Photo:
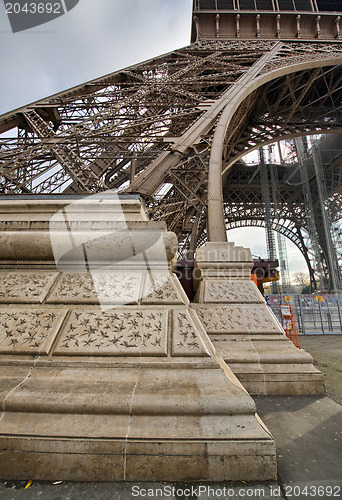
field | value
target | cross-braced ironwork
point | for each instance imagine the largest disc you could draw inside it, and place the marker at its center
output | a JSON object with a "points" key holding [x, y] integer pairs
{"points": [[150, 128]]}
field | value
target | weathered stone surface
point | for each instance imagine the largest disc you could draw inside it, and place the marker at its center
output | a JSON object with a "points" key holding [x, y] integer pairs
{"points": [[147, 421], [142, 415], [28, 331], [185, 339], [231, 292], [106, 372], [244, 330], [222, 319], [162, 289], [25, 286], [115, 333], [238, 319], [97, 287]]}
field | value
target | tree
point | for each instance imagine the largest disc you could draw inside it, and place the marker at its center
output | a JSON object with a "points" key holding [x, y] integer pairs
{"points": [[303, 279]]}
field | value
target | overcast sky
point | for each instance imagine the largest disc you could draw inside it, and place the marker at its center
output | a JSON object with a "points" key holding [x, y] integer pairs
{"points": [[95, 38]]}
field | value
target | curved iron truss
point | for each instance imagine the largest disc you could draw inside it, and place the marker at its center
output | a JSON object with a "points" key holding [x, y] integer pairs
{"points": [[149, 128], [245, 207]]}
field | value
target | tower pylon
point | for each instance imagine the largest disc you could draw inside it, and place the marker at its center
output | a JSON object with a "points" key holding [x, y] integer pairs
{"points": [[172, 128], [147, 373]]}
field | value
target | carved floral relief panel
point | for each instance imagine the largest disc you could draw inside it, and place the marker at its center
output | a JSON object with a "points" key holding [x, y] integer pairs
{"points": [[160, 288], [231, 292], [25, 286], [186, 340], [114, 333], [222, 319], [97, 287], [244, 319], [28, 331]]}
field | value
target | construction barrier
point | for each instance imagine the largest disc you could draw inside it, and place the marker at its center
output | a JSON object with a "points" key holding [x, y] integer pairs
{"points": [[312, 314], [289, 323]]}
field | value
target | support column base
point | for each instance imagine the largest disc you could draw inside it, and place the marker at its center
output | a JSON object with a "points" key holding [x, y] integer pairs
{"points": [[244, 330], [180, 423]]}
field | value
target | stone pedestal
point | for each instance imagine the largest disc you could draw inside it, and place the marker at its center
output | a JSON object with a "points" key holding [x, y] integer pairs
{"points": [[106, 372], [244, 330]]}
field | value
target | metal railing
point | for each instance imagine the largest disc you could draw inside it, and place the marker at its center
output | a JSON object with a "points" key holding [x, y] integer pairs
{"points": [[315, 314]]}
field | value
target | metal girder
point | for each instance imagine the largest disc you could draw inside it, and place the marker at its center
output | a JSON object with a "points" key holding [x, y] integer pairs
{"points": [[83, 176], [150, 129], [151, 111]]}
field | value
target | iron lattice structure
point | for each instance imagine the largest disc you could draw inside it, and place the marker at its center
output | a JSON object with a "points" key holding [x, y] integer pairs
{"points": [[245, 207], [150, 129]]}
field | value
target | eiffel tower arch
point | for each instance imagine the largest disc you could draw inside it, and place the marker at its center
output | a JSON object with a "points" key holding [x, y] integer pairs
{"points": [[290, 215], [172, 128]]}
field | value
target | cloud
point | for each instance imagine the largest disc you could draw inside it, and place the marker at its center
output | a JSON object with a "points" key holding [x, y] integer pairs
{"points": [[93, 39], [255, 239]]}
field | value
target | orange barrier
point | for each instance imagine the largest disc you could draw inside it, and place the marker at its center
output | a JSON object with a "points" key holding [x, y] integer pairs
{"points": [[289, 323]]}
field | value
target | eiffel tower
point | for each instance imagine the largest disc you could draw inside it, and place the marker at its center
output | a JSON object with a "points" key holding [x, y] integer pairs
{"points": [[155, 383], [175, 128]]}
